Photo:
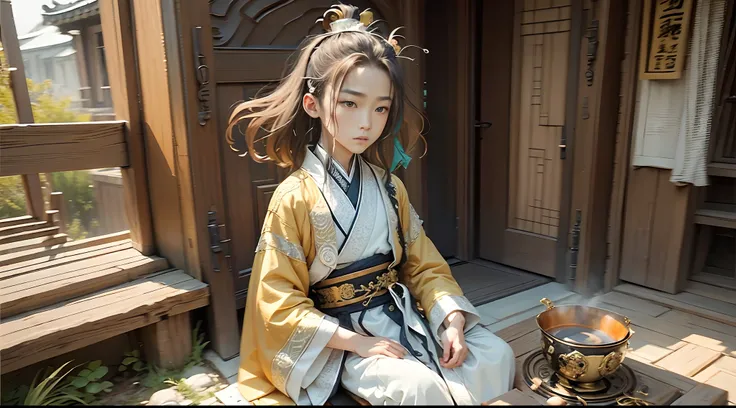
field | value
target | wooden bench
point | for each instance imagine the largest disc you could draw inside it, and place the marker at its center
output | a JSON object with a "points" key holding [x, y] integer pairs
{"points": [[59, 299]]}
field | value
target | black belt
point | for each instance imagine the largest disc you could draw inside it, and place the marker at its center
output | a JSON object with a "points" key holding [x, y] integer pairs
{"points": [[361, 285]]}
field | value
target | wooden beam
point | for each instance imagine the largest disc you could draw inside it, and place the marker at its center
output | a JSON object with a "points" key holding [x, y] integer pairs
{"points": [[45, 148], [598, 93], [715, 218], [117, 30], [22, 99]]}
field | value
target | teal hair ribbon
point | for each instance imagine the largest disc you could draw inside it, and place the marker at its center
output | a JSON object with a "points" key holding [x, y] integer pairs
{"points": [[400, 156]]}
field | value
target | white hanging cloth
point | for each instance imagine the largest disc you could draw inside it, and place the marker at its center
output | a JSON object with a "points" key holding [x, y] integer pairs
{"points": [[673, 117]]}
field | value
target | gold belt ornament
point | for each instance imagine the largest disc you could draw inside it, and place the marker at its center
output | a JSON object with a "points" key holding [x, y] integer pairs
{"points": [[331, 294]]}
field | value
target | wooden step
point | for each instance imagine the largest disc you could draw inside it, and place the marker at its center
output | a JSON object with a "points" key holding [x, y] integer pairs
{"points": [[43, 242], [716, 218], [35, 253], [44, 333], [23, 219], [43, 287], [25, 235], [63, 258], [29, 226]]}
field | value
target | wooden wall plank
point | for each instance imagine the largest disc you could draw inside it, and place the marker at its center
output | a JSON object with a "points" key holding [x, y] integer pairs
{"points": [[158, 133], [640, 203], [657, 235], [627, 94], [46, 148], [117, 29]]}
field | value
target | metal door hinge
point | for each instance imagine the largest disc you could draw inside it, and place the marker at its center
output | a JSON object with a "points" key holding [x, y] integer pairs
{"points": [[217, 245], [202, 72], [575, 245]]}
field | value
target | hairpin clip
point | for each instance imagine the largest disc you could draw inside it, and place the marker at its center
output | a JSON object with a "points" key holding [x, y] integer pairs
{"points": [[395, 43]]}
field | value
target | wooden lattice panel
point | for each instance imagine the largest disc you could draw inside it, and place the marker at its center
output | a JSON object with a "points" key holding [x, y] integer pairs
{"points": [[541, 48]]}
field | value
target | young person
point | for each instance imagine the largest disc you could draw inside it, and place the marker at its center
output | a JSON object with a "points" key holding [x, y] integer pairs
{"points": [[343, 259]]}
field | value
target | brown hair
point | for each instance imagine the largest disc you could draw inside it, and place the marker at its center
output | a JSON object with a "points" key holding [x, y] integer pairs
{"points": [[324, 59]]}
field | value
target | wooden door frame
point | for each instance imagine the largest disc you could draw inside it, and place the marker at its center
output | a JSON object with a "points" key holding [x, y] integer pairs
{"points": [[465, 112], [591, 165], [201, 184]]}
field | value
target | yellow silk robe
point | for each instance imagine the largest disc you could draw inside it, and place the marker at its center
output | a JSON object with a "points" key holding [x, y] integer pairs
{"points": [[298, 245]]}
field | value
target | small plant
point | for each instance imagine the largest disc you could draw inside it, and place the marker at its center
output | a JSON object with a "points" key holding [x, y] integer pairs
{"points": [[86, 384], [132, 361], [198, 345], [50, 391], [156, 377]]}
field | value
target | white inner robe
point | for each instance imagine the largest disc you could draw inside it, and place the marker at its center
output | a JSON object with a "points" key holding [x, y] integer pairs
{"points": [[487, 372]]}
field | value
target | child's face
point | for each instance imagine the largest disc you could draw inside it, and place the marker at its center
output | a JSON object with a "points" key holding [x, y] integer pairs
{"points": [[362, 109]]}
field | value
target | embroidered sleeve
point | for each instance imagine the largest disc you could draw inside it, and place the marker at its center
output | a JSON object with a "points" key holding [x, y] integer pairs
{"points": [[279, 243]]}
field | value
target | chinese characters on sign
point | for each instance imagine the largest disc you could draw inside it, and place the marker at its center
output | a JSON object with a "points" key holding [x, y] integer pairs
{"points": [[665, 29]]}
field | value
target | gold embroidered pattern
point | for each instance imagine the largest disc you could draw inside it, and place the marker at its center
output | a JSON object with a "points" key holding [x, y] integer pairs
{"points": [[415, 225], [288, 185], [347, 293], [324, 234], [281, 244], [287, 357]]}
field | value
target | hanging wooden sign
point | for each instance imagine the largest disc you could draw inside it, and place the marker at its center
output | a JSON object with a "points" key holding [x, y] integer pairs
{"points": [[664, 38]]}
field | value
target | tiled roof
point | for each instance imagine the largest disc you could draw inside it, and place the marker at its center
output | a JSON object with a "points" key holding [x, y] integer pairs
{"points": [[64, 13]]}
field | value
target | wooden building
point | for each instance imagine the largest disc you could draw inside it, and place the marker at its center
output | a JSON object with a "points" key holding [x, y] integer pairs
{"points": [[529, 166], [81, 20]]}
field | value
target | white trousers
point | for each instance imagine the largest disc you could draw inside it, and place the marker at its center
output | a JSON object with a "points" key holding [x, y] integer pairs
{"points": [[487, 372]]}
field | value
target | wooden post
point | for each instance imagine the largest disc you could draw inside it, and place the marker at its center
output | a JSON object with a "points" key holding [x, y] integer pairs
{"points": [[168, 343], [117, 31], [56, 202], [595, 135], [11, 47]]}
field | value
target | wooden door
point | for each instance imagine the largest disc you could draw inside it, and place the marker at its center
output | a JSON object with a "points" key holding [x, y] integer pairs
{"points": [[524, 68], [252, 41]]}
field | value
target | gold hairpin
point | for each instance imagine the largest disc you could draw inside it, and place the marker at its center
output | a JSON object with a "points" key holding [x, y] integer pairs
{"points": [[331, 15], [366, 17]]}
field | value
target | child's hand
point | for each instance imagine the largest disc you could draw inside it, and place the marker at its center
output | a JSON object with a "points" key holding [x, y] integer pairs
{"points": [[371, 346], [453, 344]]}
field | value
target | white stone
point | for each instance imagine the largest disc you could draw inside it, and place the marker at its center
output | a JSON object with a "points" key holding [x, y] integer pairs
{"points": [[168, 396], [200, 382]]}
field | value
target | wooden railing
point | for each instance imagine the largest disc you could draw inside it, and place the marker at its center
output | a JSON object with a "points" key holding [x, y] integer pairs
{"points": [[27, 149], [45, 148]]}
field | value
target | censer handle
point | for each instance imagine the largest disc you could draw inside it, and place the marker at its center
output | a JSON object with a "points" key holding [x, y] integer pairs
{"points": [[547, 303]]}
